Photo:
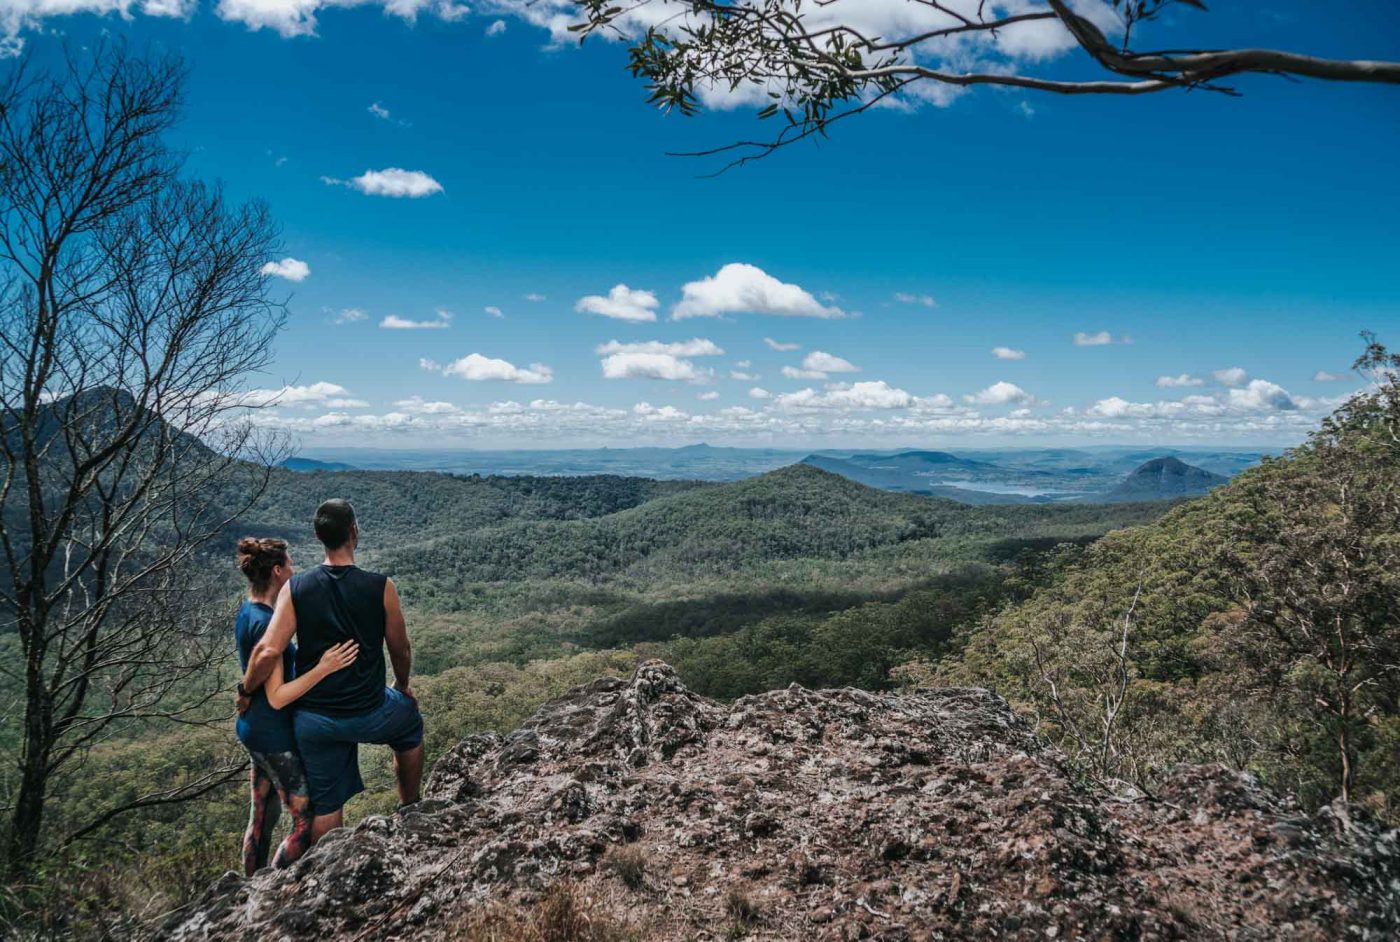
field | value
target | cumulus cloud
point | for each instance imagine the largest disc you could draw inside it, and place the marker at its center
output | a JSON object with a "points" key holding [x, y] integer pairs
{"points": [[621, 303], [924, 300], [1262, 395], [534, 296], [1101, 338], [781, 347], [1181, 379], [743, 376], [478, 368], [739, 288], [1000, 394], [379, 111], [391, 181], [1008, 353], [313, 394], [1322, 376], [695, 347], [876, 394], [792, 372], [494, 311], [708, 396], [292, 269], [1232, 376], [655, 359], [350, 315], [664, 366], [827, 363], [496, 28], [417, 405], [394, 322], [758, 392]]}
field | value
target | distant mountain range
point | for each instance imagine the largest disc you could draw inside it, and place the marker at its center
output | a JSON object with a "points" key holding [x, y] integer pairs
{"points": [[973, 476]]}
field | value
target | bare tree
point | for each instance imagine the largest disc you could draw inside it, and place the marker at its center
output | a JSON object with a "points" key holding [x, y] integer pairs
{"points": [[820, 62], [132, 305]]}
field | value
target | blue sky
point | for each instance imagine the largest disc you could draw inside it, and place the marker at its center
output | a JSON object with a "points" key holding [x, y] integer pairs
{"points": [[1251, 237]]}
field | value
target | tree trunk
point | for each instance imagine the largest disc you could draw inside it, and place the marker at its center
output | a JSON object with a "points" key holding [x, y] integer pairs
{"points": [[26, 821]]}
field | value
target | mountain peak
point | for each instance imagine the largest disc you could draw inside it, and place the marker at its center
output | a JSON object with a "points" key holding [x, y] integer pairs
{"points": [[804, 814]]}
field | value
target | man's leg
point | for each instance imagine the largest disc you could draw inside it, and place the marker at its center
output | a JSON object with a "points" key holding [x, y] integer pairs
{"points": [[408, 771], [326, 822]]}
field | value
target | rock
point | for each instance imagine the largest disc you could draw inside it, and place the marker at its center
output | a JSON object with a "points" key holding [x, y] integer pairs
{"points": [[836, 814]]}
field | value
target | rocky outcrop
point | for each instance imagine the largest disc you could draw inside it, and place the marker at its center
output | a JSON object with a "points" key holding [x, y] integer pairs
{"points": [[800, 814]]}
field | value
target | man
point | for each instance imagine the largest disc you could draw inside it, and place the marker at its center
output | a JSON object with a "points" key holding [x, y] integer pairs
{"points": [[337, 601]]}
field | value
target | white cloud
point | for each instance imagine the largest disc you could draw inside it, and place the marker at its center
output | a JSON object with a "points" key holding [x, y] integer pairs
{"points": [[709, 396], [391, 181], [651, 413], [743, 376], [827, 363], [1262, 395], [379, 111], [740, 288], [313, 394], [622, 303], [654, 359], [663, 366], [350, 315], [496, 28], [867, 395], [999, 394], [292, 269], [792, 372], [759, 392], [1181, 379], [290, 18], [478, 368], [395, 322], [1322, 376], [1100, 339], [696, 347], [534, 296], [417, 405], [1233, 376], [1008, 353], [905, 297], [493, 311], [781, 347]]}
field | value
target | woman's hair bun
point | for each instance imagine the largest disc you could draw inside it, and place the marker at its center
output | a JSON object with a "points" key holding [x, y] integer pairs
{"points": [[258, 556]]}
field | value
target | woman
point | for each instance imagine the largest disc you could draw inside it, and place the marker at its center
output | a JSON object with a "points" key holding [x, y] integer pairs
{"points": [[265, 727]]}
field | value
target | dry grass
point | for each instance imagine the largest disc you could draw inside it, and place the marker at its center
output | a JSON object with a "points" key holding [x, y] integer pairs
{"points": [[628, 863], [564, 914]]}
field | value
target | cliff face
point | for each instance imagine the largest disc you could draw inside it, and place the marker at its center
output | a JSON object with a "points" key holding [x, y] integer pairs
{"points": [[637, 809]]}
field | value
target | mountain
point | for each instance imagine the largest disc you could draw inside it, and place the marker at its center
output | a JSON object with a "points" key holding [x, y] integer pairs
{"points": [[797, 512], [635, 809], [1163, 479], [311, 464]]}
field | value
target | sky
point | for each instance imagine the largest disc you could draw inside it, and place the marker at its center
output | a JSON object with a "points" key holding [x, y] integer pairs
{"points": [[487, 242]]}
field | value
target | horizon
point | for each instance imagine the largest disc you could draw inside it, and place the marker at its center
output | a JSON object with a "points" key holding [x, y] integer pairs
{"points": [[490, 264]]}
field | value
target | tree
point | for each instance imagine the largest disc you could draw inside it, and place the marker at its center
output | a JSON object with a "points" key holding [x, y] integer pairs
{"points": [[1317, 548], [132, 304], [819, 62]]}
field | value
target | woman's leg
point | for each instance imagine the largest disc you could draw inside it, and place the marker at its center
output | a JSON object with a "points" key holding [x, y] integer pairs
{"points": [[264, 810], [291, 789]]}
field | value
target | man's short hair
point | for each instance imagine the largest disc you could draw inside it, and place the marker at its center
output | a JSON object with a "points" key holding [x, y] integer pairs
{"points": [[335, 519]]}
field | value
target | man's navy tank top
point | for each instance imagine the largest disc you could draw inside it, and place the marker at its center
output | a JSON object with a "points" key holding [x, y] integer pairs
{"points": [[335, 604]]}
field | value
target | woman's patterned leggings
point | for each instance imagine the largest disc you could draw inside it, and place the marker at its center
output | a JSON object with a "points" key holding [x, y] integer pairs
{"points": [[277, 779]]}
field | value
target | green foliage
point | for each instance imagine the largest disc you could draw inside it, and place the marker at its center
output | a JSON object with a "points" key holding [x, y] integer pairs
{"points": [[1256, 626]]}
